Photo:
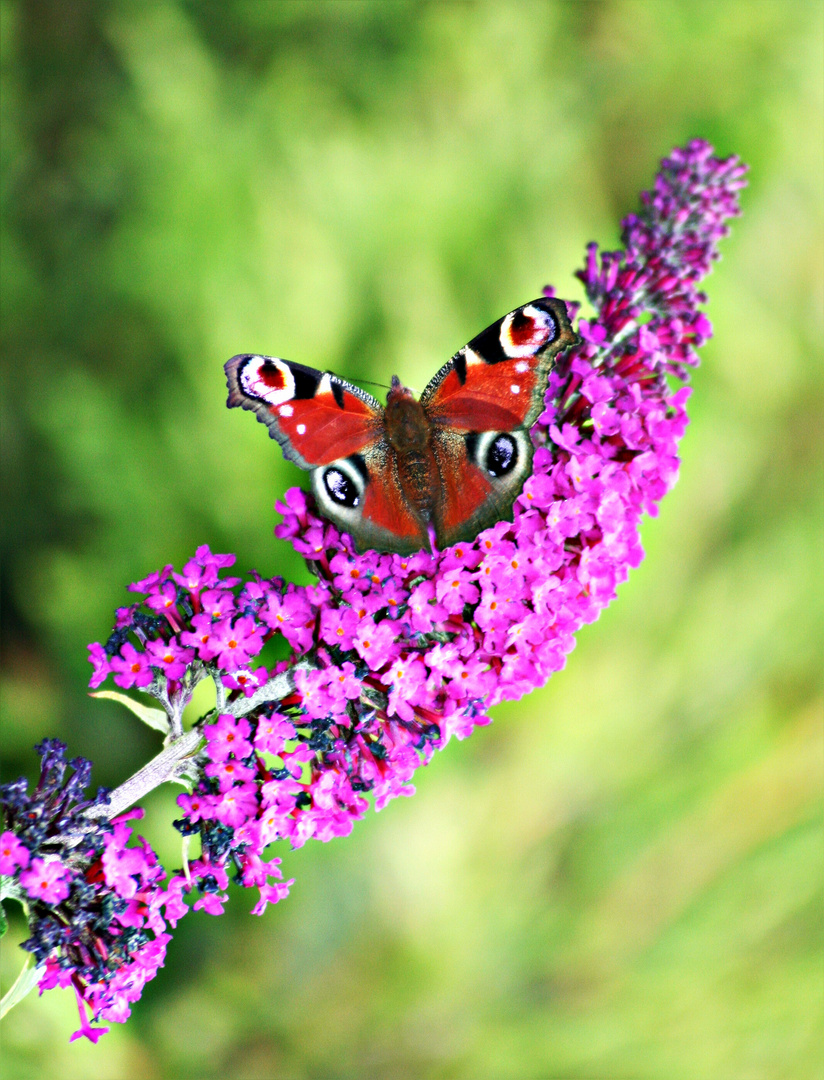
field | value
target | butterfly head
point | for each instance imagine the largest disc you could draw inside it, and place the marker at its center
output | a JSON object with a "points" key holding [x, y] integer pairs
{"points": [[398, 390]]}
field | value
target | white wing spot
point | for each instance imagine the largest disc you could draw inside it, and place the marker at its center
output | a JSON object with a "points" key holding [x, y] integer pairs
{"points": [[286, 410], [521, 367], [301, 429], [515, 388]]}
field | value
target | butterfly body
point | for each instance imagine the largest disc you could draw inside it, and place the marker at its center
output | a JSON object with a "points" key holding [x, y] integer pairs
{"points": [[455, 460]]}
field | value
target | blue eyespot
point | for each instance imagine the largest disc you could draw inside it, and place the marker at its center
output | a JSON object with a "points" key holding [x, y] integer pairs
{"points": [[340, 488], [502, 455]]}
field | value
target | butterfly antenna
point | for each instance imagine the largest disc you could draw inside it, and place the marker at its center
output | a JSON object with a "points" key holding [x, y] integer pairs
{"points": [[371, 382]]}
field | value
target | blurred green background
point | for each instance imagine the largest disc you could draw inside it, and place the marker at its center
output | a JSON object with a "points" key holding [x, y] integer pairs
{"points": [[622, 877]]}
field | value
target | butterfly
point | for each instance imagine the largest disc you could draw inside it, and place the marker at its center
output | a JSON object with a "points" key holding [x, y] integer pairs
{"points": [[454, 460]]}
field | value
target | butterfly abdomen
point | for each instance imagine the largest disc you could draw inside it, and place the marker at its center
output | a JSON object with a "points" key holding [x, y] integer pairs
{"points": [[409, 432], [418, 478]]}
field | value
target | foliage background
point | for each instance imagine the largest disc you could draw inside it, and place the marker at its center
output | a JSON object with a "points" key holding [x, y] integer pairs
{"points": [[623, 876]]}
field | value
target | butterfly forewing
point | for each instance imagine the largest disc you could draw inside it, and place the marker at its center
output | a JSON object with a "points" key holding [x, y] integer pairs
{"points": [[315, 416], [497, 382]]}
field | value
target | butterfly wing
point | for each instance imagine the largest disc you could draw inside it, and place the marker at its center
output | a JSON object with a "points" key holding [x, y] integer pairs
{"points": [[481, 406], [336, 430], [315, 416]]}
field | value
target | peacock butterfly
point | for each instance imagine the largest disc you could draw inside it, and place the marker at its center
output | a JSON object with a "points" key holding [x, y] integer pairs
{"points": [[456, 459]]}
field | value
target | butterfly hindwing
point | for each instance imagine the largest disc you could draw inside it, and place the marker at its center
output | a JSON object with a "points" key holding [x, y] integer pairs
{"points": [[363, 495], [481, 476], [481, 406]]}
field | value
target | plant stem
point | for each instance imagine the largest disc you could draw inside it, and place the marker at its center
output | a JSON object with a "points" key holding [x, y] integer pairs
{"points": [[161, 768], [167, 764]]}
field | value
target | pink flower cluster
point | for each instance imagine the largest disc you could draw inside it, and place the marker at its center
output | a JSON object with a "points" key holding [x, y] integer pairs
{"points": [[400, 653], [447, 636], [391, 656], [407, 651]]}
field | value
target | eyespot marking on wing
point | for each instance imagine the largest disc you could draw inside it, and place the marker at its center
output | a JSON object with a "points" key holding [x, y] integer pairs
{"points": [[526, 331], [268, 379], [497, 453]]}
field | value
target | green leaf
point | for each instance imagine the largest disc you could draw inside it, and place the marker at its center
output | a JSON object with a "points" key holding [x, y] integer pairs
{"points": [[25, 981], [9, 888], [155, 718], [4, 922]]}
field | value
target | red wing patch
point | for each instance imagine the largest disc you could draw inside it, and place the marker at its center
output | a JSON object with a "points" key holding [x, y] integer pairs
{"points": [[463, 497], [386, 511]]}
